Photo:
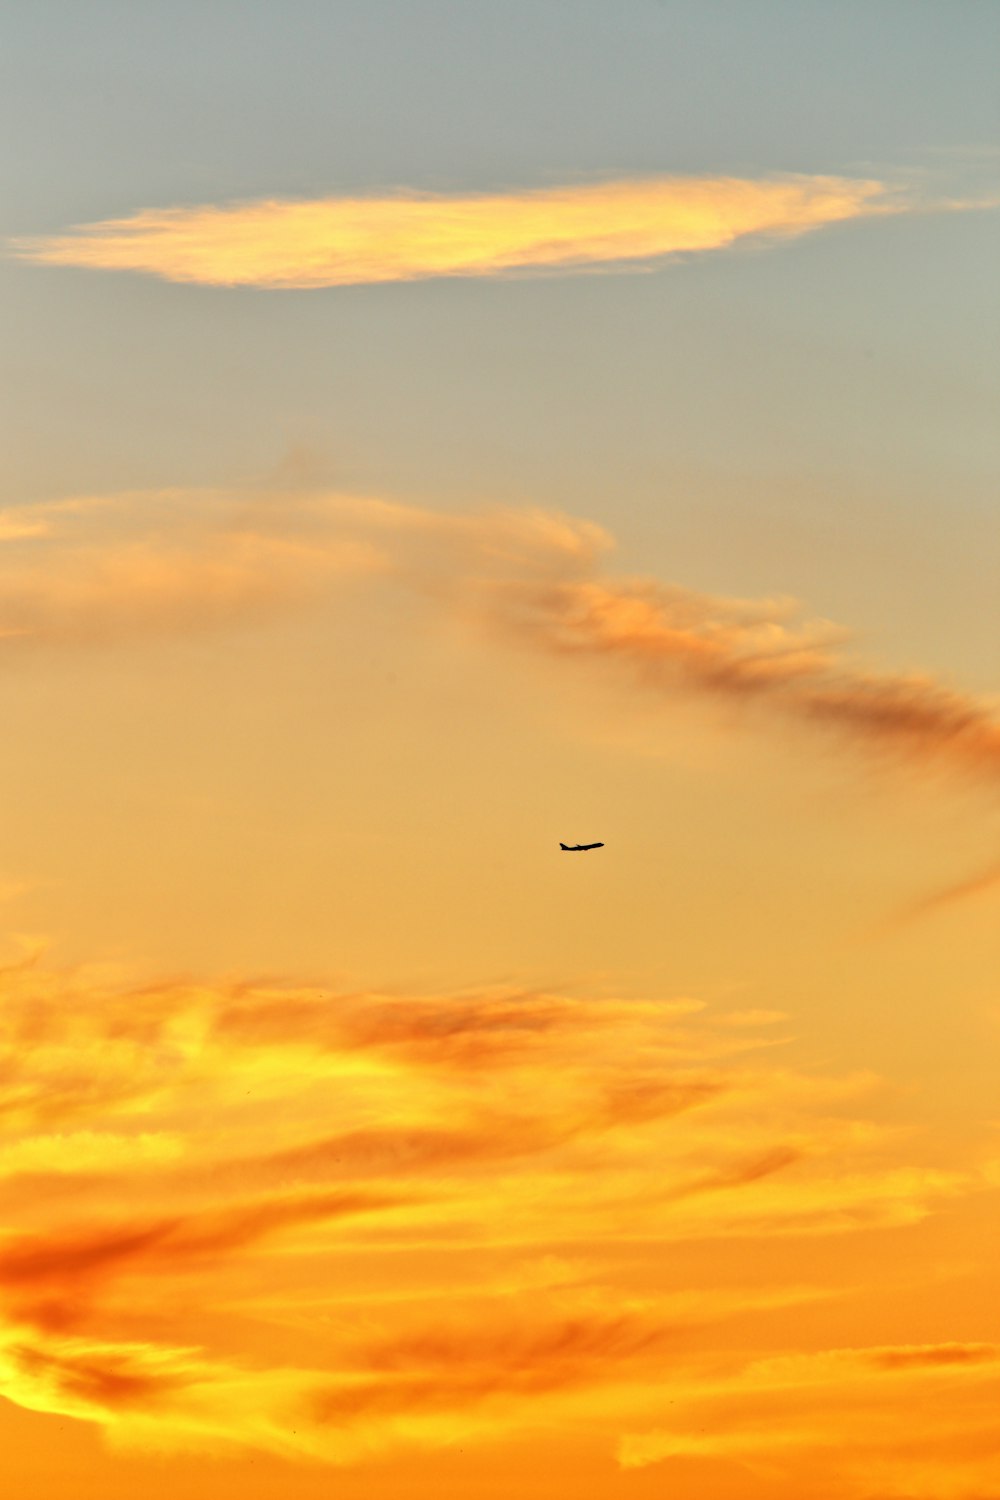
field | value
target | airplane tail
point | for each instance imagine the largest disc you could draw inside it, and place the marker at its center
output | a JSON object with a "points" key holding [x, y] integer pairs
{"points": [[563, 846]]}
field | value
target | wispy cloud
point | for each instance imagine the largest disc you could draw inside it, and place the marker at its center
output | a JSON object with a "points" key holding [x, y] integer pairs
{"points": [[757, 655], [338, 241], [176, 561], [105, 568], [845, 1413], [957, 893]]}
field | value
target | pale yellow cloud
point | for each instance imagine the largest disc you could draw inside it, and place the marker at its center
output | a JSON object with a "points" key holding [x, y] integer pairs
{"points": [[405, 237], [88, 1151], [15, 526]]}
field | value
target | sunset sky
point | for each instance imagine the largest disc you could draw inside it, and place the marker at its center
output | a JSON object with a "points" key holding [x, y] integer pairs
{"points": [[435, 430]]}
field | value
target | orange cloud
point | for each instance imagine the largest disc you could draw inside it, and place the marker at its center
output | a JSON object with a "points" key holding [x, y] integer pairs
{"points": [[97, 571], [407, 237], [930, 1355], [753, 655], [845, 1413], [547, 592], [206, 1235], [107, 1378]]}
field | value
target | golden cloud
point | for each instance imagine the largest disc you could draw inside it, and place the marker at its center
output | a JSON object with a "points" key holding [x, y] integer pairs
{"points": [[385, 1219], [407, 236]]}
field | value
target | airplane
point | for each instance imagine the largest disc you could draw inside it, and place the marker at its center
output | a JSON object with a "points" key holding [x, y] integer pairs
{"points": [[579, 848]]}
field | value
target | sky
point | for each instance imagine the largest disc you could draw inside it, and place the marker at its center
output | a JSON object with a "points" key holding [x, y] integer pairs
{"points": [[435, 431]]}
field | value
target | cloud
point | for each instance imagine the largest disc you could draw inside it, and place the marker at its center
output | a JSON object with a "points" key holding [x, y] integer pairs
{"points": [[333, 1224], [180, 561], [81, 1377], [459, 1365], [929, 1356], [167, 1398], [950, 895], [477, 1029], [754, 655], [845, 1413], [105, 570], [548, 593], [65, 1261], [86, 1151], [406, 236], [428, 1388], [494, 1137]]}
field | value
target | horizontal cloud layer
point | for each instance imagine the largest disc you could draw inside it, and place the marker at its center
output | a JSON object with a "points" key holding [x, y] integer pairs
{"points": [[406, 237]]}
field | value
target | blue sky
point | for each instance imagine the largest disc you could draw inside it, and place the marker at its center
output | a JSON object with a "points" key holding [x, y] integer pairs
{"points": [[231, 99]]}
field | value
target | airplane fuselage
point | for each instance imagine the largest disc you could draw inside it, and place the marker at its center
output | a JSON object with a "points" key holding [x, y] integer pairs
{"points": [[579, 848]]}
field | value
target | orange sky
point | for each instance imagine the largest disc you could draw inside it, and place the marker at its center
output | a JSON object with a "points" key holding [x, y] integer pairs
{"points": [[355, 550]]}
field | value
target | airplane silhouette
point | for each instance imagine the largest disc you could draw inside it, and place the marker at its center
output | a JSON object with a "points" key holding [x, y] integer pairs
{"points": [[579, 848]]}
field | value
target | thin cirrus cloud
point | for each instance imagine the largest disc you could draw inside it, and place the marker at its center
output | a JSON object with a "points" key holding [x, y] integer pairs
{"points": [[960, 891], [110, 570], [341, 241], [395, 1221], [102, 569]]}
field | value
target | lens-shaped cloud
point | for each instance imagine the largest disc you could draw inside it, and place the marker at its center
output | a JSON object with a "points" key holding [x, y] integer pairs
{"points": [[407, 237]]}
